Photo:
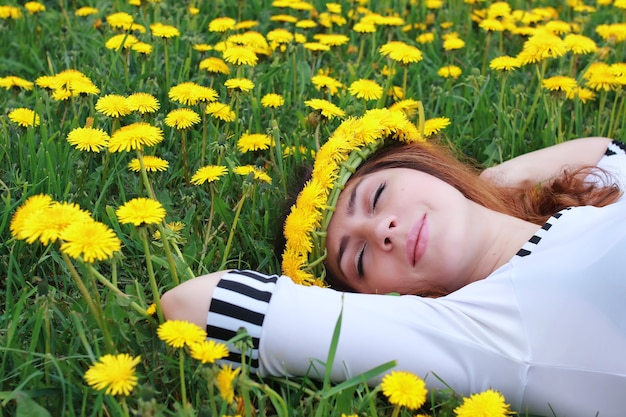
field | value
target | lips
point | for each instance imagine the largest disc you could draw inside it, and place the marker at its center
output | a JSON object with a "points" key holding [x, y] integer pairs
{"points": [[417, 240]]}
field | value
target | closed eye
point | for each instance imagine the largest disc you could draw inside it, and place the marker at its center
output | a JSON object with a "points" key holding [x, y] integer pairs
{"points": [[359, 262], [377, 194]]}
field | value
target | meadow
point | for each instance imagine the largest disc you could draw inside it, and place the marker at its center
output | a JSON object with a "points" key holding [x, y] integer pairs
{"points": [[171, 132]]}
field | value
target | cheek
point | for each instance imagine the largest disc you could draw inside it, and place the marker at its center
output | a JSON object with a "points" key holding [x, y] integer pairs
{"points": [[386, 277]]}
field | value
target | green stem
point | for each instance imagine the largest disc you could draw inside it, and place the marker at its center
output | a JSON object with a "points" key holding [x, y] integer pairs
{"points": [[144, 175], [231, 235], [104, 281], [538, 93], [166, 243], [181, 371], [143, 234], [95, 309], [184, 152], [207, 236]]}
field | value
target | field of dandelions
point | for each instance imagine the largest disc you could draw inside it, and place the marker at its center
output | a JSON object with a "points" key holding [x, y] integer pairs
{"points": [[146, 142]]}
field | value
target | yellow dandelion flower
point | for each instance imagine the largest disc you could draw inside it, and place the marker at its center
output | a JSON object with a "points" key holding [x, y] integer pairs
{"points": [[83, 86], [140, 211], [113, 105], [449, 71], [306, 24], [123, 40], [30, 209], [325, 107], [120, 20], [225, 378], [364, 27], [560, 83], [582, 94], [34, 7], [49, 222], [151, 163], [489, 403], [257, 173], [142, 48], [113, 373], [296, 229], [208, 173], [151, 310], [408, 106], [182, 118], [453, 43], [366, 89], [241, 84], [215, 65], [254, 142], [579, 44], [12, 81], [164, 31], [432, 126], [246, 24], [316, 47], [88, 139], [322, 81], [202, 47], [190, 93], [10, 12], [91, 240], [404, 389], [222, 24], [425, 38], [221, 111], [401, 52], [542, 45], [331, 39], [491, 25], [600, 76], [240, 55], [279, 36], [24, 117], [178, 333], [504, 63], [142, 103], [612, 33], [272, 100], [208, 351], [86, 11], [135, 136]]}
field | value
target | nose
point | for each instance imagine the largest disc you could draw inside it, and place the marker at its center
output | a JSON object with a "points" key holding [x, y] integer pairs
{"points": [[384, 232]]}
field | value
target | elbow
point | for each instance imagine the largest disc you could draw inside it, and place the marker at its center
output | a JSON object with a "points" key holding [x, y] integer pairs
{"points": [[171, 304], [191, 300]]}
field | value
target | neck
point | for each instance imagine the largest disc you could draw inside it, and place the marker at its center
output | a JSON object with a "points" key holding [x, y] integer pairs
{"points": [[504, 237]]}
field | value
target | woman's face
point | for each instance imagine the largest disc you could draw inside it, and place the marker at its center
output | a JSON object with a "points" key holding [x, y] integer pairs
{"points": [[401, 230]]}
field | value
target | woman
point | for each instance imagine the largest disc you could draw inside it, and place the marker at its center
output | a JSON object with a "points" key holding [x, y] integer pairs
{"points": [[532, 309]]}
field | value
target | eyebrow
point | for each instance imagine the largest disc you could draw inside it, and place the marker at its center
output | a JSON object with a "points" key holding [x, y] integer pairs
{"points": [[350, 211]]}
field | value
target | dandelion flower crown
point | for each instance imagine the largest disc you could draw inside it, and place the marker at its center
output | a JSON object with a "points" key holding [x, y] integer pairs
{"points": [[353, 142]]}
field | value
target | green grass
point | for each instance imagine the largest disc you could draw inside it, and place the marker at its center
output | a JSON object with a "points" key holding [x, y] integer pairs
{"points": [[49, 332]]}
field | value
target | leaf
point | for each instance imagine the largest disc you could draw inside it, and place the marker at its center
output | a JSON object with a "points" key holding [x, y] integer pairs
{"points": [[27, 407]]}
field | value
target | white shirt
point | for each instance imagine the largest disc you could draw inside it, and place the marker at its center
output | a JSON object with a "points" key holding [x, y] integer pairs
{"points": [[547, 329]]}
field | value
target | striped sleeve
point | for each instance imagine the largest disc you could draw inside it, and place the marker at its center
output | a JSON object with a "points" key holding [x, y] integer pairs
{"points": [[240, 300], [616, 148]]}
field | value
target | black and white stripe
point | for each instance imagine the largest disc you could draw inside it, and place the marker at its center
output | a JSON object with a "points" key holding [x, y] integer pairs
{"points": [[530, 245], [227, 313], [616, 147]]}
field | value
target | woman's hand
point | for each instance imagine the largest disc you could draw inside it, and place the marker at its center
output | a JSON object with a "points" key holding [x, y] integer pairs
{"points": [[542, 165], [190, 301]]}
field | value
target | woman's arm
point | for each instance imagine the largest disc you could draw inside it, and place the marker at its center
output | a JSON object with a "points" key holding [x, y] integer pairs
{"points": [[541, 165], [190, 301]]}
